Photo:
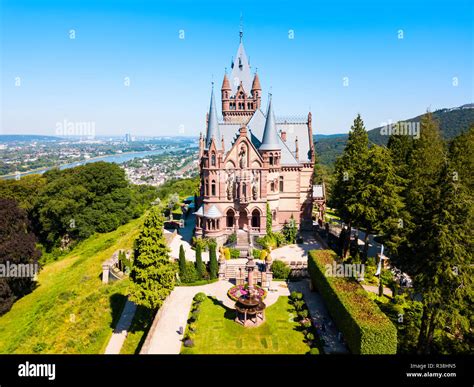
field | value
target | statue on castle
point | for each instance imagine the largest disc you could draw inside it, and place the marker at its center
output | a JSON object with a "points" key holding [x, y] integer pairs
{"points": [[230, 185], [255, 185], [243, 158]]}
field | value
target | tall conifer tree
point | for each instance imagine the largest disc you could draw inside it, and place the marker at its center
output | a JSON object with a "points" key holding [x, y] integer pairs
{"points": [[153, 273], [348, 171]]}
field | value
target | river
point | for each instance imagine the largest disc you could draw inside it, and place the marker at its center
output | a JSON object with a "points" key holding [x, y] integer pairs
{"points": [[118, 158]]}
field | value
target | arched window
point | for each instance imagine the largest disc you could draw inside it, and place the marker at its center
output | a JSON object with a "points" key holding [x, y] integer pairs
{"points": [[281, 184], [272, 186], [230, 218], [213, 188], [213, 159], [274, 215], [206, 187], [271, 159], [255, 218]]}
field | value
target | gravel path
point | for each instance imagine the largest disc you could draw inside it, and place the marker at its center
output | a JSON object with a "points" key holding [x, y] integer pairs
{"points": [[320, 316], [121, 330]]}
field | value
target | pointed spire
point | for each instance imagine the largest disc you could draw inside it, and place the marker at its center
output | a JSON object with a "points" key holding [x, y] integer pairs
{"points": [[241, 69], [212, 123], [241, 32], [226, 83], [256, 83], [270, 135]]}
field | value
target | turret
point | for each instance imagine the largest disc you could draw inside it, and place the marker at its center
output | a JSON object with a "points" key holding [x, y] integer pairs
{"points": [[256, 92], [226, 92]]}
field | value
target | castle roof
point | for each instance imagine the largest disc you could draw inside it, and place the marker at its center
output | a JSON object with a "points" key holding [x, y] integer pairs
{"points": [[270, 135], [213, 212], [213, 124], [225, 83], [256, 125], [256, 83], [241, 71]]}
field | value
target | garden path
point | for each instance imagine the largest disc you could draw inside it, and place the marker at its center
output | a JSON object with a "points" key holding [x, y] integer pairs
{"points": [[165, 337], [320, 316]]}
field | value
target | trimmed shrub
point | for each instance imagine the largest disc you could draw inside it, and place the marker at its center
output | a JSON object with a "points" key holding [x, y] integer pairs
{"points": [[213, 265], [189, 275], [280, 270], [302, 313], [296, 296], [256, 253], [234, 253], [232, 238], [194, 316], [298, 304], [200, 297], [366, 329], [313, 351]]}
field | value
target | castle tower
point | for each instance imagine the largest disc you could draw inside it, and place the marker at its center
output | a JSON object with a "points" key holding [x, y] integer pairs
{"points": [[241, 94]]}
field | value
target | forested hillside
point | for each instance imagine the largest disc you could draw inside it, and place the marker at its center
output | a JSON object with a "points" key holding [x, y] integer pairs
{"points": [[452, 122]]}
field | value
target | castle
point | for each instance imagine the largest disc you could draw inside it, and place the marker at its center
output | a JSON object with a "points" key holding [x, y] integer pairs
{"points": [[252, 165]]}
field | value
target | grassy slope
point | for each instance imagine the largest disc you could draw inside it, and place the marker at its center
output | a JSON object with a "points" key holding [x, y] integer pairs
{"points": [[218, 333], [136, 336], [70, 311]]}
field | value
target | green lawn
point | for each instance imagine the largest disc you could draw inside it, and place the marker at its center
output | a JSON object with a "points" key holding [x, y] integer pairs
{"points": [[331, 215], [136, 336], [70, 311], [218, 333]]}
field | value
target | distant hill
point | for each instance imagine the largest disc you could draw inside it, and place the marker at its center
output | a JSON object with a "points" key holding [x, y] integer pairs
{"points": [[452, 122], [26, 137]]}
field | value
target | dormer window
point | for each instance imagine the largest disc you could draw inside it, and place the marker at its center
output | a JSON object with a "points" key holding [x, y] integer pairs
{"points": [[213, 160]]}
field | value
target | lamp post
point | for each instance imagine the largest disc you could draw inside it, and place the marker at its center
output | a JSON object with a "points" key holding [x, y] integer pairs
{"points": [[379, 272]]}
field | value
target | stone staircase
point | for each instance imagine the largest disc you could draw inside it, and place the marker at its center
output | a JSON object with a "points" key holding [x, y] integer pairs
{"points": [[232, 269], [242, 244]]}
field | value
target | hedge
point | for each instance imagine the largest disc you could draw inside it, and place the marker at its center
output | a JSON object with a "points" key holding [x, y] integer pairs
{"points": [[366, 329]]}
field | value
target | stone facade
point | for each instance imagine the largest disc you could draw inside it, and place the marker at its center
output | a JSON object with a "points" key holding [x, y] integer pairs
{"points": [[249, 159]]}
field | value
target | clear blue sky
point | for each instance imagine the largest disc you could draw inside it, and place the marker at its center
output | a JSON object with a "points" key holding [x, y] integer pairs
{"points": [[82, 79]]}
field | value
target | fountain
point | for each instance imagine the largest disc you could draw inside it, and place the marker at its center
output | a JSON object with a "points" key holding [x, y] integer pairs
{"points": [[250, 307]]}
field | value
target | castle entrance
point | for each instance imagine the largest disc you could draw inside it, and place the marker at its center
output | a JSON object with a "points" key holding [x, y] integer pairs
{"points": [[243, 221]]}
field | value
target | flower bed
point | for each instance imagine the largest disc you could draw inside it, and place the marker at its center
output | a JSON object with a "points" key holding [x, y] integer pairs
{"points": [[242, 290]]}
